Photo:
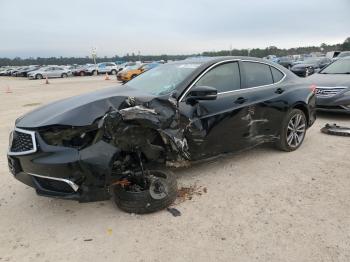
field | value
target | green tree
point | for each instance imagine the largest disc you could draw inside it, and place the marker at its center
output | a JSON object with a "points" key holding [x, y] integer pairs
{"points": [[346, 44]]}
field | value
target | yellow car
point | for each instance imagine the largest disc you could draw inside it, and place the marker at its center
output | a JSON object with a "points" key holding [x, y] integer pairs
{"points": [[133, 71]]}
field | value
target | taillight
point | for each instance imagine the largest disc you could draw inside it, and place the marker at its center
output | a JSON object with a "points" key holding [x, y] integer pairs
{"points": [[313, 88]]}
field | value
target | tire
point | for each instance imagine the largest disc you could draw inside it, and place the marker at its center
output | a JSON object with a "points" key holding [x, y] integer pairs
{"points": [[82, 74], [39, 76], [288, 141], [114, 72], [64, 75], [94, 73], [133, 76], [146, 201]]}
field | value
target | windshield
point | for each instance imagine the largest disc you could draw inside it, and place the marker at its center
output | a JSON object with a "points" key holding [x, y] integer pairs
{"points": [[162, 79], [344, 54], [341, 66]]}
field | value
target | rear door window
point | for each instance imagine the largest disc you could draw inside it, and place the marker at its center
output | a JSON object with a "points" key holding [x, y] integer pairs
{"points": [[276, 74], [257, 74]]}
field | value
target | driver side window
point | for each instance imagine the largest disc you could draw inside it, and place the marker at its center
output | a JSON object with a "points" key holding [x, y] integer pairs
{"points": [[224, 77]]}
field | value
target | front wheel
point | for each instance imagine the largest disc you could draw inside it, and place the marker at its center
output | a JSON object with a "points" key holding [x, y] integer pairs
{"points": [[114, 72], [64, 75], [39, 76], [292, 131], [155, 192]]}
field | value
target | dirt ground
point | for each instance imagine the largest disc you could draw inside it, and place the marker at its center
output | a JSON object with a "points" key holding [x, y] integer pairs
{"points": [[260, 205]]}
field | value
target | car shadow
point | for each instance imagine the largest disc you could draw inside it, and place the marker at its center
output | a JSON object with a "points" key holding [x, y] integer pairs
{"points": [[108, 208]]}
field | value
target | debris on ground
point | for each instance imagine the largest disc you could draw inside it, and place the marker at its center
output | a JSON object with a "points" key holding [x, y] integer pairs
{"points": [[336, 130], [32, 104], [87, 240], [187, 193], [175, 212]]}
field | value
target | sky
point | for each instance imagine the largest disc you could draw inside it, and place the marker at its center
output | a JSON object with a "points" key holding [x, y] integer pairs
{"points": [[47, 28]]}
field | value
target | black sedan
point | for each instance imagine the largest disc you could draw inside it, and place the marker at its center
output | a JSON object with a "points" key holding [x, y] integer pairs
{"points": [[310, 65], [333, 87], [24, 71], [81, 147]]}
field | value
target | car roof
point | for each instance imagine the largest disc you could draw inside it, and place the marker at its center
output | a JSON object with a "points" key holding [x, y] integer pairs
{"points": [[204, 60]]}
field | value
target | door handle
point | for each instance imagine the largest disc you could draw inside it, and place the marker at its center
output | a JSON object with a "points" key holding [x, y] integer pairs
{"points": [[279, 91], [240, 100]]}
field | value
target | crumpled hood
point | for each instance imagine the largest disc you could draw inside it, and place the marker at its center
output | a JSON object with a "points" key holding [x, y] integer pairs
{"points": [[329, 80], [79, 110]]}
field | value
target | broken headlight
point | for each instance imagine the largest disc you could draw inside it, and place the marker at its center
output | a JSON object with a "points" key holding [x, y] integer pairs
{"points": [[75, 137]]}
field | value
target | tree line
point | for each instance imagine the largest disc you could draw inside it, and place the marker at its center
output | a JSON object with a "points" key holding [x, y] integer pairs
{"points": [[256, 52]]}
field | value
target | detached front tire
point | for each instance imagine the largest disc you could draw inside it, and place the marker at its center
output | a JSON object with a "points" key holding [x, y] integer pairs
{"points": [[292, 131], [160, 193]]}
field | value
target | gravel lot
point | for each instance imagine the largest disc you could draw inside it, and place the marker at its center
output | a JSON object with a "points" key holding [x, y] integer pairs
{"points": [[259, 205]]}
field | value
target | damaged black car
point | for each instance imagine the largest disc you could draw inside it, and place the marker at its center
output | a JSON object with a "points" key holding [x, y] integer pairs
{"points": [[120, 142]]}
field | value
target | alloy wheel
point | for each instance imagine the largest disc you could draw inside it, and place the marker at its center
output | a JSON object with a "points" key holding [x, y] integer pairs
{"points": [[296, 130]]}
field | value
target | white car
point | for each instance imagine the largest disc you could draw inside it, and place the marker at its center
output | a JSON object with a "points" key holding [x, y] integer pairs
{"points": [[49, 72], [107, 67]]}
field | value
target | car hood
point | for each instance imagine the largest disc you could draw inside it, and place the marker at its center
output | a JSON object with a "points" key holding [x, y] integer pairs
{"points": [[80, 110], [303, 65], [329, 80]]}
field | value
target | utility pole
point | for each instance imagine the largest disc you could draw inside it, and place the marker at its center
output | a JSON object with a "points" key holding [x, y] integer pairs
{"points": [[139, 56], [93, 54], [230, 49]]}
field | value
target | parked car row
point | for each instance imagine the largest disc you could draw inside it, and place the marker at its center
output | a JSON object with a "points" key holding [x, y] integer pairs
{"points": [[53, 71], [307, 64]]}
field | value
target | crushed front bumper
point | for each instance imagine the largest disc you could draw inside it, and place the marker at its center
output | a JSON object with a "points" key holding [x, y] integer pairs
{"points": [[64, 172]]}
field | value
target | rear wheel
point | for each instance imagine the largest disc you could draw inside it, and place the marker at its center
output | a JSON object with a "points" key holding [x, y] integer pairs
{"points": [[94, 73], [293, 131], [64, 75], [159, 192], [82, 73], [114, 72]]}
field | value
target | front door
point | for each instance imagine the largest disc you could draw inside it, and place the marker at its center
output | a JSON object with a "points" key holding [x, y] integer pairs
{"points": [[216, 126]]}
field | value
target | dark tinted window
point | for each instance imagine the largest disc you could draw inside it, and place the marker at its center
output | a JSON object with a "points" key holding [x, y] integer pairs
{"points": [[224, 78], [277, 74], [257, 74]]}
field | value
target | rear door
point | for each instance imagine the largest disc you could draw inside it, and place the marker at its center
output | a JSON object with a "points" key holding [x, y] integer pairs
{"points": [[50, 72], [262, 86], [58, 71]]}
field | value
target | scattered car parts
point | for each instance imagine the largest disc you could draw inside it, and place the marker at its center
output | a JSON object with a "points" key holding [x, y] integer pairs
{"points": [[336, 130]]}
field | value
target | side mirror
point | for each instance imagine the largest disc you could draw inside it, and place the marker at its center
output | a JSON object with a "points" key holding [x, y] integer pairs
{"points": [[202, 93]]}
